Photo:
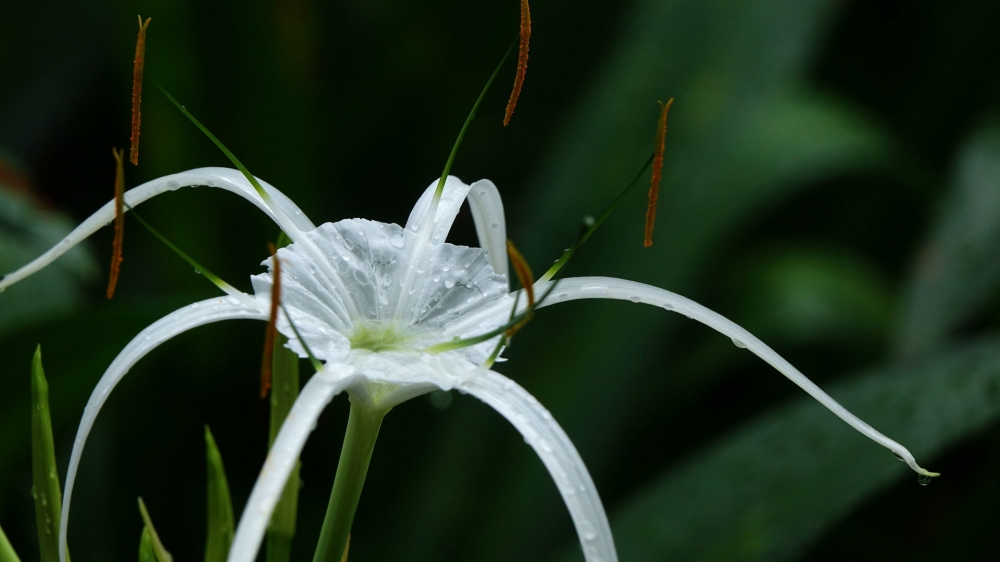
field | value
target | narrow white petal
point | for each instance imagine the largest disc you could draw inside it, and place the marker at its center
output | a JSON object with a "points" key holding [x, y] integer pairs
{"points": [[610, 288], [224, 178], [491, 226], [558, 454], [285, 451], [452, 198], [191, 316]]}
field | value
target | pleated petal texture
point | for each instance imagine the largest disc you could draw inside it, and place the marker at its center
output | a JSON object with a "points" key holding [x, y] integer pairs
{"points": [[371, 260], [180, 321]]}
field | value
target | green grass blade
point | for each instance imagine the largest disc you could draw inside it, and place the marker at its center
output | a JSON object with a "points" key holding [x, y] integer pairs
{"points": [[284, 391], [147, 552], [7, 553], [221, 525], [48, 498], [160, 553]]}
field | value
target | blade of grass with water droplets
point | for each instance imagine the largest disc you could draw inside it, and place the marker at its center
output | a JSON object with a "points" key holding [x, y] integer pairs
{"points": [[158, 549], [7, 553], [45, 489], [221, 523], [147, 552]]}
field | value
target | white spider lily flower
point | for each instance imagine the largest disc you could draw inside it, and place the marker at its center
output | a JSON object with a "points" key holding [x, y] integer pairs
{"points": [[369, 298]]}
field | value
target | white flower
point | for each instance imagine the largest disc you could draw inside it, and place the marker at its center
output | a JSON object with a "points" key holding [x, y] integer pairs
{"points": [[369, 298]]}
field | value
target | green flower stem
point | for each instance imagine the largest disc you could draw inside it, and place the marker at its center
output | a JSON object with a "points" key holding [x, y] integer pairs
{"points": [[7, 553], [362, 430]]}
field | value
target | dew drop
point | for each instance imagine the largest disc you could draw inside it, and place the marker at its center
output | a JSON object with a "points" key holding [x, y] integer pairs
{"points": [[449, 283], [173, 185], [445, 268], [898, 456], [668, 306], [437, 278], [508, 384], [739, 344], [346, 257], [495, 225], [397, 241], [635, 299], [361, 233], [924, 479]]}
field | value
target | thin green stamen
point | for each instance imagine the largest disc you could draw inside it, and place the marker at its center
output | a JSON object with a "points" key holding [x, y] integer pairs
{"points": [[312, 358], [215, 279], [232, 158], [465, 127], [569, 253]]}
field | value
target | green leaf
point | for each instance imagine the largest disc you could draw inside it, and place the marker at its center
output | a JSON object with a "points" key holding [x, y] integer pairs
{"points": [[147, 552], [221, 526], [48, 497], [7, 553], [284, 391], [959, 266], [26, 231], [159, 551], [769, 488]]}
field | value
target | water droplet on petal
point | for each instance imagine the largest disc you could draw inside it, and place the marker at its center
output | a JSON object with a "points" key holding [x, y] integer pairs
{"points": [[924, 479], [635, 299], [739, 344]]}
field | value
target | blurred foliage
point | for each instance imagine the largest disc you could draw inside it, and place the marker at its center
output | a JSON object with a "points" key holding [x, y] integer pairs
{"points": [[830, 182]]}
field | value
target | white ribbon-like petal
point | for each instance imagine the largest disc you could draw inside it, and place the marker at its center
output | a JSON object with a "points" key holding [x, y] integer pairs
{"points": [[452, 197], [293, 223], [191, 316], [558, 454], [491, 226], [610, 288]]}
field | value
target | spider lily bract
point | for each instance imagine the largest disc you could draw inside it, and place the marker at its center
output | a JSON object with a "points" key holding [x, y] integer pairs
{"points": [[369, 298]]}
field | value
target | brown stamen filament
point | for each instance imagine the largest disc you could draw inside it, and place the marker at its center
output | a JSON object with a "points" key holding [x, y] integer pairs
{"points": [[527, 280], [116, 249], [137, 67], [522, 61], [271, 333], [654, 184]]}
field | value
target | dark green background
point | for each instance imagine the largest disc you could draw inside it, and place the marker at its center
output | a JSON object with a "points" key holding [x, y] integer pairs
{"points": [[831, 183]]}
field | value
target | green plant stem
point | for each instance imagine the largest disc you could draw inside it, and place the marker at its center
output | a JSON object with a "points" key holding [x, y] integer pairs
{"points": [[362, 430], [7, 553]]}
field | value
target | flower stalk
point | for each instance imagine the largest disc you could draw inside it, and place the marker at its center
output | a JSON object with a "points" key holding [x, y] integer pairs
{"points": [[359, 442]]}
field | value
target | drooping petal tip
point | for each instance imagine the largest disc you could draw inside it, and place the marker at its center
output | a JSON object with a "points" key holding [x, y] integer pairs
{"points": [[116, 252], [522, 61], [137, 70], [654, 184]]}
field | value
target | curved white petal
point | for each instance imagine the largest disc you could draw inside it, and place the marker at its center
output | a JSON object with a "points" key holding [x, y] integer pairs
{"points": [[293, 223], [450, 204], [491, 226], [558, 454], [285, 451], [412, 374], [191, 316], [575, 288]]}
